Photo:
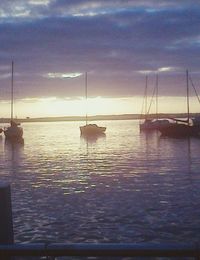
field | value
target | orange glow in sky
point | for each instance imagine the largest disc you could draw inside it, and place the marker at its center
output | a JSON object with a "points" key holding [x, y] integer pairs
{"points": [[52, 106]]}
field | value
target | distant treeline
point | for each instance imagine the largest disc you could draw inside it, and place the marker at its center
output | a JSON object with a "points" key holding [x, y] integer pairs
{"points": [[97, 118]]}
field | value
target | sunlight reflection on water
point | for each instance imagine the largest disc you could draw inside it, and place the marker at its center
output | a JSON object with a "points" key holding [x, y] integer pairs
{"points": [[122, 187]]}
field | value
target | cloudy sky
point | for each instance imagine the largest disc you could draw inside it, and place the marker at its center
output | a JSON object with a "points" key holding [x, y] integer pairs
{"points": [[54, 42]]}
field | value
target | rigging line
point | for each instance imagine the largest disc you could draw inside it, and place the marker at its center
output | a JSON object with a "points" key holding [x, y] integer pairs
{"points": [[188, 102], [154, 90], [144, 97], [12, 96], [142, 110], [86, 98], [146, 84], [194, 89]]}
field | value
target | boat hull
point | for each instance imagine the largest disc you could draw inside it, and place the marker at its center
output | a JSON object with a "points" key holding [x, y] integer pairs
{"points": [[92, 129], [13, 133], [149, 125], [179, 130]]}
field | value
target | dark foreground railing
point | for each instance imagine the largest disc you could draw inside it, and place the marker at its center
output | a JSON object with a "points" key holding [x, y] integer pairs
{"points": [[101, 250]]}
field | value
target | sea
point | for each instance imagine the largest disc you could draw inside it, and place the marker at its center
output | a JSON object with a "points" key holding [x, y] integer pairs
{"points": [[125, 187]]}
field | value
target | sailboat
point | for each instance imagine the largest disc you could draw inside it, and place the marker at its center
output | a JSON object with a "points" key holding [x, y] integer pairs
{"points": [[150, 124], [90, 129], [13, 132], [182, 128]]}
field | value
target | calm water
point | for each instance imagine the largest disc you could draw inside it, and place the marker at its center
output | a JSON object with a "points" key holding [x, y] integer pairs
{"points": [[125, 187]]}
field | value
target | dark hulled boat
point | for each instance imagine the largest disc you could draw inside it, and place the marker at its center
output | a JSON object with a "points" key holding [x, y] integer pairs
{"points": [[182, 128], [14, 132], [150, 124], [90, 129], [179, 130], [153, 124]]}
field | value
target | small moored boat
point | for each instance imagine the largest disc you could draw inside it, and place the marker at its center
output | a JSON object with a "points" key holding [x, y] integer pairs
{"points": [[90, 129], [14, 132]]}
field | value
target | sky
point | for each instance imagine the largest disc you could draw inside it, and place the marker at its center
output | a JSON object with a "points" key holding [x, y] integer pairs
{"points": [[54, 42]]}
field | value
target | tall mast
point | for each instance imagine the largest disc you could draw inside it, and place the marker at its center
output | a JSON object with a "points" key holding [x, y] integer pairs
{"points": [[188, 103], [156, 96], [146, 96], [12, 101], [86, 115]]}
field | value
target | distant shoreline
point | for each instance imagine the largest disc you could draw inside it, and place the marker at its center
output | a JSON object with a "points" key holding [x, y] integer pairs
{"points": [[96, 118]]}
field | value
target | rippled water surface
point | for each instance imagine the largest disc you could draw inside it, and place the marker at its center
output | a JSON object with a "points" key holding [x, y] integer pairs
{"points": [[124, 187]]}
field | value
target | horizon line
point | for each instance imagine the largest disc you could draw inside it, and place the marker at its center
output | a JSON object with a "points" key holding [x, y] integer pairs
{"points": [[94, 117]]}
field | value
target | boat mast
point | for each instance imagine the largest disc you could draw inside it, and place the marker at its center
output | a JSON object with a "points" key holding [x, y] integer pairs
{"points": [[146, 96], [86, 94], [157, 96], [12, 101], [188, 103]]}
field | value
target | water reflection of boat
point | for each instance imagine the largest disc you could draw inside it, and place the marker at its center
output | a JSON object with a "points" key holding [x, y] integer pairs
{"points": [[14, 152], [92, 138], [14, 132], [182, 128], [90, 129], [14, 146]]}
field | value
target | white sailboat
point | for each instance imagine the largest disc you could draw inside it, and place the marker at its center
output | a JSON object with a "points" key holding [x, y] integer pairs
{"points": [[90, 129], [13, 132]]}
